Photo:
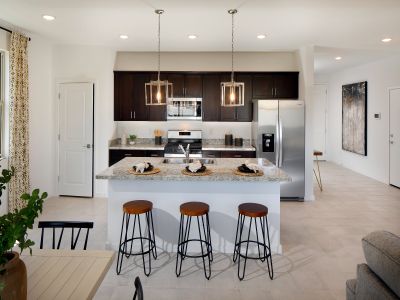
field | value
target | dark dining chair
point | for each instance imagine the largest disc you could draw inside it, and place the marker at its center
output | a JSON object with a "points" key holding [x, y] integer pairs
{"points": [[74, 225], [138, 290]]}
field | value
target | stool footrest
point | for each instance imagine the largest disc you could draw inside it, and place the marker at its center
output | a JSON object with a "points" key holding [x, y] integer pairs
{"points": [[122, 251], [205, 254], [252, 257]]}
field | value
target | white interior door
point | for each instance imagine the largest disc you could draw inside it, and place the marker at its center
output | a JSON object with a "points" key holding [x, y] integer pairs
{"points": [[394, 137], [319, 118], [76, 139]]}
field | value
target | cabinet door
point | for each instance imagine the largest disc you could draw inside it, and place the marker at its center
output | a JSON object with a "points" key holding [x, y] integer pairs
{"points": [[193, 86], [263, 86], [178, 81], [117, 155], [139, 99], [287, 85], [211, 97], [245, 113], [157, 112], [123, 96], [228, 114], [238, 154]]}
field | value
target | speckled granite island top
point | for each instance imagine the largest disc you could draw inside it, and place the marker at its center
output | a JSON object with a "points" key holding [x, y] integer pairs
{"points": [[222, 170]]}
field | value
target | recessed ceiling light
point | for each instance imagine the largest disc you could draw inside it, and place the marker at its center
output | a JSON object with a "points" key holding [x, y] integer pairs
{"points": [[338, 57], [123, 36], [386, 40], [192, 36], [48, 17], [261, 36]]}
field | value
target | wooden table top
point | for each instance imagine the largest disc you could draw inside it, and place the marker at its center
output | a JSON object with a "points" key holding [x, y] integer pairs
{"points": [[65, 274]]}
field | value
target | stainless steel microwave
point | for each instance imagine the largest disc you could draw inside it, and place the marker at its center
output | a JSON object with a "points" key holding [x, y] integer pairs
{"points": [[184, 109]]}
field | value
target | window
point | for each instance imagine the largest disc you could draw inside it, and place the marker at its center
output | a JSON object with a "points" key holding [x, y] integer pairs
{"points": [[2, 97]]}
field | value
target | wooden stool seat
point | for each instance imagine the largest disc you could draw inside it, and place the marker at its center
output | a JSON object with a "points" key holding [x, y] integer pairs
{"points": [[253, 210], [194, 209], [137, 207]]}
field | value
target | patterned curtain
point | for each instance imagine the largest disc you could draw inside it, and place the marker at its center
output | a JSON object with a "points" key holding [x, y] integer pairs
{"points": [[19, 120]]}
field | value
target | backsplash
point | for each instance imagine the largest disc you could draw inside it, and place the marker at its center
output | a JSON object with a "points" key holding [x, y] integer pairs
{"points": [[210, 130]]}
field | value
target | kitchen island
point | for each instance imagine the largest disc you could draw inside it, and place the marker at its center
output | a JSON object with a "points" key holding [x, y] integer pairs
{"points": [[222, 190]]}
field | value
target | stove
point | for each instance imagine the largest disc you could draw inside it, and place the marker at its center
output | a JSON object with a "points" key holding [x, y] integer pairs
{"points": [[177, 137]]}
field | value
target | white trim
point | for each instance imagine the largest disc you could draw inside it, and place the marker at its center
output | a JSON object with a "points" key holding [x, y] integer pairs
{"points": [[58, 82], [388, 135]]}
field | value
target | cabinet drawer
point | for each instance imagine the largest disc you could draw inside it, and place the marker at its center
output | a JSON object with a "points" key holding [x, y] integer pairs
{"points": [[155, 153], [211, 154], [238, 154], [115, 156]]}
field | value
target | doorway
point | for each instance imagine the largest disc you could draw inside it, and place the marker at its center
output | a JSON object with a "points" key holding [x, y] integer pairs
{"points": [[394, 137], [320, 92], [75, 139]]}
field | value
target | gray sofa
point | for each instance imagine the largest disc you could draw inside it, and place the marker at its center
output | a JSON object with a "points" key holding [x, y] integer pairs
{"points": [[380, 277]]}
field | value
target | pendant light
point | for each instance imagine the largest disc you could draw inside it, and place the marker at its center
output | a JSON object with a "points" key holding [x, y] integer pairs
{"points": [[232, 92], [158, 91]]}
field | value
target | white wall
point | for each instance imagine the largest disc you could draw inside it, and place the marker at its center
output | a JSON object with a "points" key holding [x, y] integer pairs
{"points": [[305, 59], [207, 61], [42, 116], [87, 63], [380, 76], [4, 40]]}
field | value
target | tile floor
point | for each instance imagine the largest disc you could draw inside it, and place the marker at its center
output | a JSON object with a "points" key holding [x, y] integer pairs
{"points": [[321, 244]]}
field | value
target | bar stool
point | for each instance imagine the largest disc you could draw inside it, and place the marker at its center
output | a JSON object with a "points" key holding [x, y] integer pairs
{"points": [[200, 211], [256, 212], [137, 208]]}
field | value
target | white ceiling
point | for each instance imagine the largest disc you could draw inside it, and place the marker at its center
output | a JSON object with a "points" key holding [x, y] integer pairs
{"points": [[288, 24]]}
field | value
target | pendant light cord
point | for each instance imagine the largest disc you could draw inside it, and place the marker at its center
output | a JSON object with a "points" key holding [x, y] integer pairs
{"points": [[159, 46], [233, 28]]}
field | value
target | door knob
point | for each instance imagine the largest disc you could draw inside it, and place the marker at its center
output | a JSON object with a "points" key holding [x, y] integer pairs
{"points": [[392, 142], [88, 146]]}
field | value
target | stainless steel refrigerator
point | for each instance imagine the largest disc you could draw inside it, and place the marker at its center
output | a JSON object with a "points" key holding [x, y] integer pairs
{"points": [[278, 134]]}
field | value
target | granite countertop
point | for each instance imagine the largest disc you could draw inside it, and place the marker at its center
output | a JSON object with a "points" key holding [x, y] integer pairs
{"points": [[223, 147], [222, 169]]}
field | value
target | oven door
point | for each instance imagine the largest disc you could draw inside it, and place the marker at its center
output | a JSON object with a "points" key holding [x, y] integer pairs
{"points": [[184, 109]]}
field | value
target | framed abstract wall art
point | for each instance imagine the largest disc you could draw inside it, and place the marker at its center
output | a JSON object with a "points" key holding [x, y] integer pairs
{"points": [[354, 118]]}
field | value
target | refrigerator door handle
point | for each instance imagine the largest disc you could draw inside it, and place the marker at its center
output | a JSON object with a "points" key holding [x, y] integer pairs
{"points": [[277, 143], [280, 144]]}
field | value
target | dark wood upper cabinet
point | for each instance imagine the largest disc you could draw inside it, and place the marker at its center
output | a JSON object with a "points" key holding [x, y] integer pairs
{"points": [[140, 109], [263, 86], [211, 97], [193, 86], [245, 113], [123, 96], [286, 85], [178, 82]]}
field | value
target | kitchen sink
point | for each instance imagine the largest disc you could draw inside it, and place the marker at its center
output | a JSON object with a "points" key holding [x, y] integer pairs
{"points": [[204, 161]]}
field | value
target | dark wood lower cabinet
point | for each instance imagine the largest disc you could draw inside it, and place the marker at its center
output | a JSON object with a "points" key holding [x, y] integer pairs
{"points": [[211, 154], [115, 155], [238, 154]]}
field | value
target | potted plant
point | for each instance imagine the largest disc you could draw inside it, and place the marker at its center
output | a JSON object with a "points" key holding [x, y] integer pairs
{"points": [[13, 232], [132, 139]]}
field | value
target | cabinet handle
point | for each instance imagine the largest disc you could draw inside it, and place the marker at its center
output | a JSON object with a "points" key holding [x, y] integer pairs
{"points": [[237, 156], [154, 155], [134, 115], [210, 155], [127, 154], [131, 115]]}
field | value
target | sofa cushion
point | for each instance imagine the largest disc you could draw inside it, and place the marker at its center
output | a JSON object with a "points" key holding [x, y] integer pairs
{"points": [[382, 253], [370, 287], [351, 289]]}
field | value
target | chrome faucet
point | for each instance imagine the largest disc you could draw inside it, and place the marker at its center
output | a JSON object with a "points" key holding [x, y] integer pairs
{"points": [[185, 152]]}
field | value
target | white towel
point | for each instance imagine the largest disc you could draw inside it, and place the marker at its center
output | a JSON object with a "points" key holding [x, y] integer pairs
{"points": [[252, 166], [141, 167], [194, 167]]}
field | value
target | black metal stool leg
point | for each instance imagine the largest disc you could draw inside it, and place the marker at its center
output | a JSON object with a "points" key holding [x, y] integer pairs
{"points": [[179, 258], [202, 252], [246, 255], [186, 236], [133, 235], [154, 237], [270, 270], [120, 254], [209, 237], [258, 241], [142, 249], [238, 238]]}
